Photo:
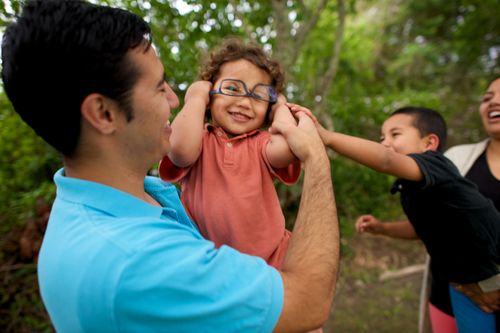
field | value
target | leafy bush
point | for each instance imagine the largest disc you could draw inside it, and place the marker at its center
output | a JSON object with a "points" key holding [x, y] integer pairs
{"points": [[27, 165]]}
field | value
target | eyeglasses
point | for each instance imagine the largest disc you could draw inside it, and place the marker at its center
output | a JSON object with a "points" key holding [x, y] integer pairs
{"points": [[233, 87]]}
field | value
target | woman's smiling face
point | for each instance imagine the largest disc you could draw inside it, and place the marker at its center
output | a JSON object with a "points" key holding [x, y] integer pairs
{"points": [[489, 109]]}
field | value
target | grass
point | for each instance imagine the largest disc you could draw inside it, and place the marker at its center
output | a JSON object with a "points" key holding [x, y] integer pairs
{"points": [[364, 303]]}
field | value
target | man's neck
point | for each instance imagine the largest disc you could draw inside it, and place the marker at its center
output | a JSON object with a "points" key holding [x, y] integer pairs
{"points": [[116, 175]]}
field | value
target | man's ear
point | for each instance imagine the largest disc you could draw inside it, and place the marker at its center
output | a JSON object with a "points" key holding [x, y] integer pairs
{"points": [[432, 142], [100, 112]]}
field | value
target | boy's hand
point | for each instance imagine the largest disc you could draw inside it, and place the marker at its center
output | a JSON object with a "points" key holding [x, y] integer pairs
{"points": [[370, 224], [294, 108], [303, 139], [199, 90], [488, 302]]}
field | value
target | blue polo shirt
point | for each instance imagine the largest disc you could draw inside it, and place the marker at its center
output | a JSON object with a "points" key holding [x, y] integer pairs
{"points": [[110, 262]]}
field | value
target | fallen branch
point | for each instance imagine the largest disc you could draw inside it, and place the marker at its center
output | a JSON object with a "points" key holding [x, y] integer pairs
{"points": [[408, 270]]}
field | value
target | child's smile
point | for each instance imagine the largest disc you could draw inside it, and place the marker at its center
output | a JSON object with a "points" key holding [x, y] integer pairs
{"points": [[239, 114]]}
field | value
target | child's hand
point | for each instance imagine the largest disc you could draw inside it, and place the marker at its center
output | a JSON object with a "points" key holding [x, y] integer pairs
{"points": [[294, 108], [199, 90], [370, 224], [280, 104], [488, 302], [302, 138], [299, 108]]}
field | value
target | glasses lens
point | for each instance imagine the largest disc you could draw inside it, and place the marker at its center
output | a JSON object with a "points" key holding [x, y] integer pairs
{"points": [[232, 87], [265, 93]]}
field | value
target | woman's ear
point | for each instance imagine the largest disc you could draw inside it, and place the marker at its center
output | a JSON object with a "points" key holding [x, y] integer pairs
{"points": [[431, 142], [100, 112]]}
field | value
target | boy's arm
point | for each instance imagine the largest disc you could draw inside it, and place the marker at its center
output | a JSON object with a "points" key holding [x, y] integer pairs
{"points": [[374, 155], [186, 148], [400, 229], [369, 153], [278, 152]]}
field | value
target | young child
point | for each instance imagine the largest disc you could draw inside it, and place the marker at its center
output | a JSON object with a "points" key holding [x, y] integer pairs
{"points": [[459, 227], [227, 166]]}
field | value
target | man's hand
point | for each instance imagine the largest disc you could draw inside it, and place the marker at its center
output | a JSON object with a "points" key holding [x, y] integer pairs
{"points": [[323, 132], [302, 139], [488, 302]]}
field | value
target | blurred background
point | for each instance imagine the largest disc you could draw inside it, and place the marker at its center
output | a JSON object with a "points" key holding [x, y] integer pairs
{"points": [[350, 61]]}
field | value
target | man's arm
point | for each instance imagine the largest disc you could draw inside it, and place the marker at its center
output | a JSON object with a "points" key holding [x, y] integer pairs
{"points": [[186, 148], [310, 268]]}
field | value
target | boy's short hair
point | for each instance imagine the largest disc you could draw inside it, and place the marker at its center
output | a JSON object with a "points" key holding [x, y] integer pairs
{"points": [[426, 121], [59, 52], [233, 49]]}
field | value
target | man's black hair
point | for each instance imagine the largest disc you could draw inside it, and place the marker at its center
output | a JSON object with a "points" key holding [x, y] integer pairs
{"points": [[60, 51]]}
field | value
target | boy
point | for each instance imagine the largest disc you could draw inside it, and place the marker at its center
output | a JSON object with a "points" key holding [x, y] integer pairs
{"points": [[227, 166], [459, 227]]}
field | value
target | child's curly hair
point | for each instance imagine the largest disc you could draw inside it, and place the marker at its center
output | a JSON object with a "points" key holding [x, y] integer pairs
{"points": [[233, 49]]}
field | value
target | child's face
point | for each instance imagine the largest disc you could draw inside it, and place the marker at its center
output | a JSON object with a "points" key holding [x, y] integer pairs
{"points": [[239, 114], [489, 109], [399, 134]]}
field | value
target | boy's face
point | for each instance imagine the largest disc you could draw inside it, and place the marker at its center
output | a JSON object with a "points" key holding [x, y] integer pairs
{"points": [[489, 109], [239, 114], [399, 134]]}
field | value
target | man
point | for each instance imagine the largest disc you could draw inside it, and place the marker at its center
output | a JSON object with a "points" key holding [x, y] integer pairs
{"points": [[120, 253]]}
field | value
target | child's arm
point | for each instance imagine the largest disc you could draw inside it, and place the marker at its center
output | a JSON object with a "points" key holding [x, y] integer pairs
{"points": [[277, 149], [186, 148], [369, 153], [400, 229]]}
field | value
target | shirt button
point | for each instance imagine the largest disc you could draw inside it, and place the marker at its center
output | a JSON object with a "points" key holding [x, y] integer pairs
{"points": [[229, 144], [219, 133]]}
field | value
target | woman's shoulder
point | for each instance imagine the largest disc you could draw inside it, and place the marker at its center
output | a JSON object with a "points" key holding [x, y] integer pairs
{"points": [[463, 156], [468, 147]]}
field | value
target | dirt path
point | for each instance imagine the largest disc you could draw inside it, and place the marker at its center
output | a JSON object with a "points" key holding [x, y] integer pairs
{"points": [[364, 303]]}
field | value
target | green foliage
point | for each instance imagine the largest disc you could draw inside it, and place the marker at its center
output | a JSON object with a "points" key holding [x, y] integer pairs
{"points": [[433, 53], [27, 164]]}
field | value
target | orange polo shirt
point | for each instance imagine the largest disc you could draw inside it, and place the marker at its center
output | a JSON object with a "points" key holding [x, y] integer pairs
{"points": [[229, 193]]}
